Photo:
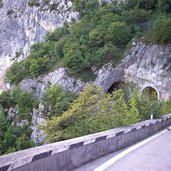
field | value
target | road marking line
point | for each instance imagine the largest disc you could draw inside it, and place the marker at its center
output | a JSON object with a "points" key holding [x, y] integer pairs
{"points": [[124, 153]]}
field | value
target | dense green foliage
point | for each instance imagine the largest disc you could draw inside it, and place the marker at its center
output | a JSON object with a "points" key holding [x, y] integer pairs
{"points": [[96, 111], [70, 117], [148, 105], [101, 35], [16, 111], [162, 31], [22, 101], [166, 107], [164, 5], [58, 100], [15, 130]]}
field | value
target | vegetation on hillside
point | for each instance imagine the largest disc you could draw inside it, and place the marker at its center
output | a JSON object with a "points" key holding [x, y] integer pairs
{"points": [[71, 115], [15, 129], [16, 109], [58, 99], [94, 111], [102, 34]]}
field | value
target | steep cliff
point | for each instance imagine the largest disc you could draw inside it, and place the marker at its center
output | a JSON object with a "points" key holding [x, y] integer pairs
{"points": [[145, 65], [24, 22]]}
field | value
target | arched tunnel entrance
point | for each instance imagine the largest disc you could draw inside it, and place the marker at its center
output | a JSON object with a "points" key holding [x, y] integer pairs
{"points": [[151, 92], [116, 86]]}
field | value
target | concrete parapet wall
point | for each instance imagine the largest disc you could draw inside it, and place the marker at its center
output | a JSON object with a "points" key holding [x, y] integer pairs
{"points": [[69, 154]]}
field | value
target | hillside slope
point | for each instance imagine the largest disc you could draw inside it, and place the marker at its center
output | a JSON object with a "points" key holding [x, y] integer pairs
{"points": [[24, 22]]}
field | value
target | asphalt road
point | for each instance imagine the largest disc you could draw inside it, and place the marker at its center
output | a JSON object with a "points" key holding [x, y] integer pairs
{"points": [[152, 154]]}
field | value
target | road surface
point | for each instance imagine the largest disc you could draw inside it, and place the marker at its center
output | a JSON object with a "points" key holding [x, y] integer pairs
{"points": [[151, 154]]}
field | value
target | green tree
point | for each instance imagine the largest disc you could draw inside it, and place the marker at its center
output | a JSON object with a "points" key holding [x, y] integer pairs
{"points": [[24, 103], [162, 31], [74, 58], [85, 6], [148, 106], [13, 136], [93, 111], [14, 72], [6, 100], [3, 123], [132, 115], [136, 16], [58, 99], [58, 33], [164, 5], [119, 34], [166, 107], [39, 66]]}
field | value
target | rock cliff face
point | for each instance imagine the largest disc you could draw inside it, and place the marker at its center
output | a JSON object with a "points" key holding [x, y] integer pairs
{"points": [[24, 22], [144, 65], [151, 67], [59, 76]]}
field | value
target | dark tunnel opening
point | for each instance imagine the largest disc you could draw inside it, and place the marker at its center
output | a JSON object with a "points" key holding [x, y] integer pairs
{"points": [[116, 86], [150, 92]]}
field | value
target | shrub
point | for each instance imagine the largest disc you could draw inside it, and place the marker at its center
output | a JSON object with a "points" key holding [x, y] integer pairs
{"points": [[58, 33], [6, 100], [137, 16], [119, 34], [166, 107], [141, 4], [148, 106], [17, 72], [58, 99], [164, 5], [15, 137], [84, 7], [93, 111], [39, 66], [162, 31], [147, 4], [24, 103]]}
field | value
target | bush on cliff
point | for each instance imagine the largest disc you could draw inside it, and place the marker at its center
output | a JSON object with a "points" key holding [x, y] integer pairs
{"points": [[162, 31], [92, 112], [58, 99]]}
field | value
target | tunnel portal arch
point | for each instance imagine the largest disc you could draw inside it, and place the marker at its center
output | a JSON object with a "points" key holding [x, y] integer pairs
{"points": [[116, 86], [151, 91]]}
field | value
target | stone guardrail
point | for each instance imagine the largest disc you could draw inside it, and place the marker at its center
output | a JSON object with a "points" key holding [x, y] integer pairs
{"points": [[69, 154]]}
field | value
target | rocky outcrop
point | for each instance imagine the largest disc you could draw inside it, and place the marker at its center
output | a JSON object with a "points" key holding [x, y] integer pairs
{"points": [[151, 68], [59, 76], [144, 65], [39, 117], [24, 22]]}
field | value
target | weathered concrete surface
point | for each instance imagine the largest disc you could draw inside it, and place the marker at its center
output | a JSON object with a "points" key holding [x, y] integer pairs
{"points": [[155, 155], [72, 153]]}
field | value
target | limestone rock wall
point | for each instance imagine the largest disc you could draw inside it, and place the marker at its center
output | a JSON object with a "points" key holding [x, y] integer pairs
{"points": [[24, 22], [59, 76], [144, 65], [152, 68]]}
